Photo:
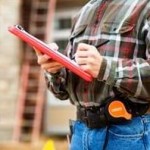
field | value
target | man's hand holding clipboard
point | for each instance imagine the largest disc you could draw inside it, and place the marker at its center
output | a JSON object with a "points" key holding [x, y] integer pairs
{"points": [[46, 62], [49, 51]]}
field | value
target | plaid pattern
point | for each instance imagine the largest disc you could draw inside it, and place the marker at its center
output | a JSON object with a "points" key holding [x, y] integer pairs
{"points": [[121, 32]]}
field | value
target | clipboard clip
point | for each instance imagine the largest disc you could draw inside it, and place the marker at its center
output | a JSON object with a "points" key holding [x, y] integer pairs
{"points": [[19, 27]]}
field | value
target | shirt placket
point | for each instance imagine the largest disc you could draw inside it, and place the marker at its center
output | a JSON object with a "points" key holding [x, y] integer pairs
{"points": [[99, 16]]}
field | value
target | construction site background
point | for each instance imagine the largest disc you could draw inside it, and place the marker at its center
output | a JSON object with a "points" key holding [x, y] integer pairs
{"points": [[23, 95]]}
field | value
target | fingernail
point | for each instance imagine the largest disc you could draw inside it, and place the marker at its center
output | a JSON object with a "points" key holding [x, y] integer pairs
{"points": [[46, 56]]}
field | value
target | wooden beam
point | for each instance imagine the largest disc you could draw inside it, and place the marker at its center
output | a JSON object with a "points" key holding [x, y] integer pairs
{"points": [[50, 20]]}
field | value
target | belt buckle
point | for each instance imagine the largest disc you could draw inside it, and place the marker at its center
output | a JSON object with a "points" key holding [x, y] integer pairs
{"points": [[85, 117], [93, 120]]}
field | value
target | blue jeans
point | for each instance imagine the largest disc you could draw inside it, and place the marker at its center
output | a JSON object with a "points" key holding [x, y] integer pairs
{"points": [[134, 135]]}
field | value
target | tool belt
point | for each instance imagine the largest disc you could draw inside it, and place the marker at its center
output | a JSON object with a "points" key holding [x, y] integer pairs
{"points": [[113, 111]]}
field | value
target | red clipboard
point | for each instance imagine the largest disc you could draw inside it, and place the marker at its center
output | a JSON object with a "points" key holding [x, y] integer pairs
{"points": [[44, 48]]}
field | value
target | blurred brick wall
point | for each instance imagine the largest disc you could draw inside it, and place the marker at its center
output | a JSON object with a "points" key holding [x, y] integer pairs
{"points": [[10, 52]]}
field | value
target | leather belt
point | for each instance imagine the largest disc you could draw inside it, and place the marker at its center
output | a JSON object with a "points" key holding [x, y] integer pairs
{"points": [[99, 117]]}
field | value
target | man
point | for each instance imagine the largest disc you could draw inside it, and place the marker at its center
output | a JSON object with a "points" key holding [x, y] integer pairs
{"points": [[110, 40]]}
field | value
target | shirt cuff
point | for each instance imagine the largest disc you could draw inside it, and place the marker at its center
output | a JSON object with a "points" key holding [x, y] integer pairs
{"points": [[107, 71]]}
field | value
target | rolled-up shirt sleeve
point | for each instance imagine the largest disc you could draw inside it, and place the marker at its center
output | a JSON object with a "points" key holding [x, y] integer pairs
{"points": [[56, 83], [130, 76]]}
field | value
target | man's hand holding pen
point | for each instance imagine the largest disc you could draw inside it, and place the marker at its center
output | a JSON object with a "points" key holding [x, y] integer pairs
{"points": [[89, 59]]}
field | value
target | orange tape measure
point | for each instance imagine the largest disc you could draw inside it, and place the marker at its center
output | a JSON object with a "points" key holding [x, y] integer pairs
{"points": [[118, 110]]}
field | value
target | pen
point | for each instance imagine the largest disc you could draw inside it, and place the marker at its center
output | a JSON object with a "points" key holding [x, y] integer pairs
{"points": [[99, 45]]}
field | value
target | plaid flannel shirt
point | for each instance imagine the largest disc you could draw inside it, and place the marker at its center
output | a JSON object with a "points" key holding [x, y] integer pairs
{"points": [[120, 30]]}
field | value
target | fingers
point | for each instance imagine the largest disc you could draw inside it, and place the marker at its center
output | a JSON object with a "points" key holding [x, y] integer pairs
{"points": [[45, 62], [81, 54], [54, 46], [85, 68], [85, 50], [88, 58], [37, 51], [84, 53], [54, 69], [83, 47], [51, 66], [81, 61], [42, 59]]}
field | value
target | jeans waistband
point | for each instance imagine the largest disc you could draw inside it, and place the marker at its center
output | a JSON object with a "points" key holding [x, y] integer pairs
{"points": [[148, 111], [146, 118]]}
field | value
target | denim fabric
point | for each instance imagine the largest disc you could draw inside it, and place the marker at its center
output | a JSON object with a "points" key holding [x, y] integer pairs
{"points": [[134, 135]]}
